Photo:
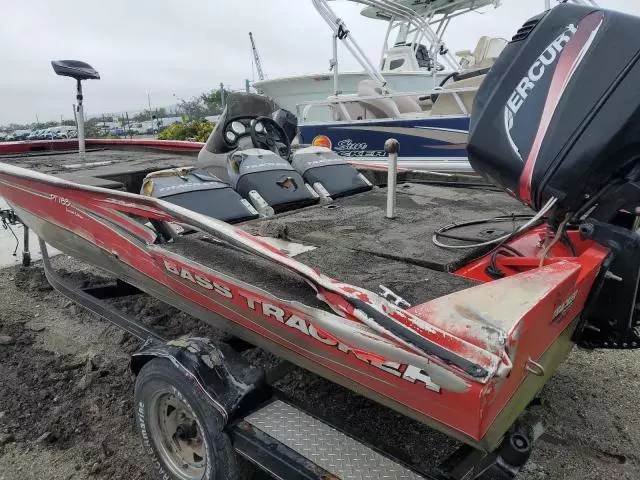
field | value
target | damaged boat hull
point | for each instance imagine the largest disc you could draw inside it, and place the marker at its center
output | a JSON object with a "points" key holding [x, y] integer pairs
{"points": [[98, 226]]}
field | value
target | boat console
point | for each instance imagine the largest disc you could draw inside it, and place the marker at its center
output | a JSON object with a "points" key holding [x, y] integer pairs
{"points": [[250, 149]]}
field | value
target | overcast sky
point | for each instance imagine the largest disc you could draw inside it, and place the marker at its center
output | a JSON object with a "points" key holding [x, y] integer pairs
{"points": [[180, 49]]}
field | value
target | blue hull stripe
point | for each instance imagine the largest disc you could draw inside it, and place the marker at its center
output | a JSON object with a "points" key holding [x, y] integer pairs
{"points": [[428, 138]]}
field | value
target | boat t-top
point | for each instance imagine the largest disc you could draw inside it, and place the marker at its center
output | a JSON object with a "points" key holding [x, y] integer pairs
{"points": [[414, 56]]}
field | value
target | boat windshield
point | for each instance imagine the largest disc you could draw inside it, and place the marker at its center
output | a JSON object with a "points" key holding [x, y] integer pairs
{"points": [[239, 105], [249, 104]]}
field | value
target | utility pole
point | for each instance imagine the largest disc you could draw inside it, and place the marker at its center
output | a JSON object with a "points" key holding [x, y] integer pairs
{"points": [[151, 115], [256, 57], [222, 95], [247, 85]]}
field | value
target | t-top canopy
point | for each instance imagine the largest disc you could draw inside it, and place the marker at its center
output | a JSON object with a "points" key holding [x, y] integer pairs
{"points": [[423, 7]]}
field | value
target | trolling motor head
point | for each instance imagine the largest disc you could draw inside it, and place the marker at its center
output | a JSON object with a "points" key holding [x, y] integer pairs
{"points": [[79, 71], [558, 115]]}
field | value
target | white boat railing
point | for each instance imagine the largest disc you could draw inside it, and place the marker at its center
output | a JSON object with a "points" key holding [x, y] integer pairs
{"points": [[341, 32], [397, 11], [339, 103], [430, 25], [416, 23]]}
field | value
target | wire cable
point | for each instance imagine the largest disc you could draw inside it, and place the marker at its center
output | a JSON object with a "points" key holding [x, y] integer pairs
{"points": [[492, 269], [532, 221], [558, 236], [462, 238]]}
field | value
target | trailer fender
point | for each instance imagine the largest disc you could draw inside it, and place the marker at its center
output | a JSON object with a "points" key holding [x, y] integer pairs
{"points": [[227, 379]]}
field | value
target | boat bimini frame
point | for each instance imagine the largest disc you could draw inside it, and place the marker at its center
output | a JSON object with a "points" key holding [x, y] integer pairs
{"points": [[424, 27], [427, 27]]}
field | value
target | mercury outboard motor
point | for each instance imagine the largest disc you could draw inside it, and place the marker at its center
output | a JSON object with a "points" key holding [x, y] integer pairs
{"points": [[557, 119], [559, 113]]}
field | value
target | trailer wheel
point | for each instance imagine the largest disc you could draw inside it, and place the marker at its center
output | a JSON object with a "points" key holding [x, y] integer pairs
{"points": [[179, 427]]}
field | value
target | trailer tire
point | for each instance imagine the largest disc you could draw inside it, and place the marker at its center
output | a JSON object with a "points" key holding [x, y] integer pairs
{"points": [[180, 429]]}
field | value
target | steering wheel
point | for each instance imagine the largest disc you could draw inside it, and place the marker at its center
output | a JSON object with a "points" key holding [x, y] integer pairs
{"points": [[266, 134]]}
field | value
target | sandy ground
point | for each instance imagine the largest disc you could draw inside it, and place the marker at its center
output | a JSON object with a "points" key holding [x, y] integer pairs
{"points": [[66, 396]]}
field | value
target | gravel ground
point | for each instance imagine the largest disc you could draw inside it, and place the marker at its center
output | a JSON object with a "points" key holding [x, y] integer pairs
{"points": [[66, 396]]}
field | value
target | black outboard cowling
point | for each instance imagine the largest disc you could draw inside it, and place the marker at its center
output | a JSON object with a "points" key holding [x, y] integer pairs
{"points": [[328, 173], [200, 192], [559, 113], [558, 116]]}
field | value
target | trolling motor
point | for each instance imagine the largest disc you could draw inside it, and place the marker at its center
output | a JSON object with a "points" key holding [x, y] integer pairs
{"points": [[79, 71]]}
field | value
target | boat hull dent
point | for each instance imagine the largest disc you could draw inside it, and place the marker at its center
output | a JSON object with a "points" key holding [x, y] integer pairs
{"points": [[344, 366]]}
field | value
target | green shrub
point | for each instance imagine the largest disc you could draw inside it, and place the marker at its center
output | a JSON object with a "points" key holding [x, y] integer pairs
{"points": [[198, 131]]}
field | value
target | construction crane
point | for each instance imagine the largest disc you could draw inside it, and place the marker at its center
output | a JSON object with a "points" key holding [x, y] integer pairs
{"points": [[256, 58]]}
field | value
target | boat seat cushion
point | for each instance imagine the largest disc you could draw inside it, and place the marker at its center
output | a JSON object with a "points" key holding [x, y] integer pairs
{"points": [[385, 107], [446, 104], [407, 104]]}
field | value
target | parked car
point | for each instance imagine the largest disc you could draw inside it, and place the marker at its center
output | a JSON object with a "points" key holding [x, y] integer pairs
{"points": [[65, 131], [35, 135], [135, 129], [48, 134], [20, 135]]}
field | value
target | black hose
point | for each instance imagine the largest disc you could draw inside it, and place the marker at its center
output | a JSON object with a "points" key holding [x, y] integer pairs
{"points": [[493, 270], [567, 241], [441, 232]]}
